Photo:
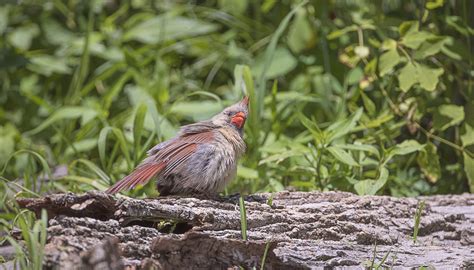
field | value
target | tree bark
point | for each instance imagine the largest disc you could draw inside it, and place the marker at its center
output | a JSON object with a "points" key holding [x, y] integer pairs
{"points": [[298, 231]]}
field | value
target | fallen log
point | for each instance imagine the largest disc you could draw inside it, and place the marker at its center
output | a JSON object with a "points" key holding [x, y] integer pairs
{"points": [[295, 230]]}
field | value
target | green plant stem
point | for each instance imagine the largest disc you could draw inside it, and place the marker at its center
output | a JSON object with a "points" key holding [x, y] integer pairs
{"points": [[442, 140]]}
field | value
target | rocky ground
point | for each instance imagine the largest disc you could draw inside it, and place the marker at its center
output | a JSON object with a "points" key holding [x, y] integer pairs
{"points": [[298, 230]]}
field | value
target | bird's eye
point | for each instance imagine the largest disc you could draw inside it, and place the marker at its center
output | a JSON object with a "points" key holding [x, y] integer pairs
{"points": [[228, 113]]}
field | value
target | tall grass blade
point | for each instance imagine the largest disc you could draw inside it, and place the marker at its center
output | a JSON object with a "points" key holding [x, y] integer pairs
{"points": [[419, 211], [138, 124], [81, 73], [243, 218], [262, 264], [270, 51], [94, 168], [102, 143]]}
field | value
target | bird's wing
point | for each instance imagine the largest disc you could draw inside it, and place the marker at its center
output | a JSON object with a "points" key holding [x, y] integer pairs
{"points": [[199, 127], [168, 159]]}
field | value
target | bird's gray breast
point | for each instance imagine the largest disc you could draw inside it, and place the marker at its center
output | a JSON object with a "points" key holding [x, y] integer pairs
{"points": [[212, 167]]}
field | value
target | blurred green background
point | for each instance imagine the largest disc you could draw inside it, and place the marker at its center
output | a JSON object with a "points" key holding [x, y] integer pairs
{"points": [[371, 97]]}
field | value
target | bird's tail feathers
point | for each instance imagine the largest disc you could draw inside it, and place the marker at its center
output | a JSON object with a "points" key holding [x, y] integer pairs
{"points": [[141, 175]]}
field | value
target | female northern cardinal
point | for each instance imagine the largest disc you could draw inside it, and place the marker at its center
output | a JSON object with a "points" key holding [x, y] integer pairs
{"points": [[200, 160]]}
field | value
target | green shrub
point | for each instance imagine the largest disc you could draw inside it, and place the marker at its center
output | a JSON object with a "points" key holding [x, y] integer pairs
{"points": [[363, 96]]}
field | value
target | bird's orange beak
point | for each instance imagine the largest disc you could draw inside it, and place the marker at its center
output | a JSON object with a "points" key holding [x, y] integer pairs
{"points": [[245, 101], [238, 119]]}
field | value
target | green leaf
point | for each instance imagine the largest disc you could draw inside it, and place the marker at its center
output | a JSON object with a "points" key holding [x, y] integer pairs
{"points": [[278, 158], [407, 27], [354, 76], [247, 173], [233, 7], [8, 133], [413, 73], [407, 147], [47, 65], [377, 122], [469, 169], [468, 137], [81, 146], [281, 63], [196, 110], [21, 37], [428, 77], [432, 4], [369, 105], [430, 48], [342, 127], [407, 77], [166, 27], [342, 155], [66, 112], [467, 140], [341, 32], [360, 147], [370, 187], [312, 126], [414, 39], [458, 24], [388, 61], [301, 34], [447, 115], [4, 10], [404, 148], [55, 33], [428, 160]]}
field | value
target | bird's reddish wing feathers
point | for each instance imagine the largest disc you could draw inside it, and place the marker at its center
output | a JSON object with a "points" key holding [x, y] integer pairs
{"points": [[170, 159]]}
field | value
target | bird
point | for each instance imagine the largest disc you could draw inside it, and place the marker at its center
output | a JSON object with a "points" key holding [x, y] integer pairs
{"points": [[199, 161]]}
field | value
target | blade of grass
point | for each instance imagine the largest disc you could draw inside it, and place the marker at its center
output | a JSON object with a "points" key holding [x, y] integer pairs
{"points": [[7, 182], [94, 168], [81, 72], [138, 123], [40, 158], [116, 88], [270, 51], [384, 259], [146, 145], [419, 211], [84, 180], [105, 74], [243, 218], [372, 263], [262, 264], [102, 143]]}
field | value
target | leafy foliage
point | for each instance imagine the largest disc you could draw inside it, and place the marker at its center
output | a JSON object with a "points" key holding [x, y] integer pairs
{"points": [[363, 96]]}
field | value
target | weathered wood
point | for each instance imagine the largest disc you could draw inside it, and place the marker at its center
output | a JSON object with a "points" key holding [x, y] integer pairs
{"points": [[304, 230]]}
